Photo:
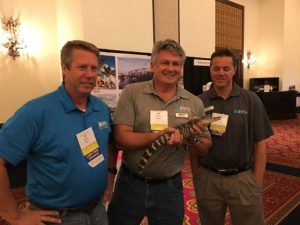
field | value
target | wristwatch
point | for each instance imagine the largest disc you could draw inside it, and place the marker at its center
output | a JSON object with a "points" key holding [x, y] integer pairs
{"points": [[113, 170]]}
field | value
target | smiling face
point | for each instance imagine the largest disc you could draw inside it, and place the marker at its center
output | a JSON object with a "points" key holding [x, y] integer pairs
{"points": [[222, 71], [167, 68], [80, 77]]}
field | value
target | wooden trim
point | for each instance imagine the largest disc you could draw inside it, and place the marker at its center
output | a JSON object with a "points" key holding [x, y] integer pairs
{"points": [[226, 38], [165, 19], [231, 4]]}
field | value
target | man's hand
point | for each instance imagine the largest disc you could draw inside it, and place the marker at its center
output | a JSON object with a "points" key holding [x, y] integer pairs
{"points": [[107, 194], [36, 217], [175, 136]]}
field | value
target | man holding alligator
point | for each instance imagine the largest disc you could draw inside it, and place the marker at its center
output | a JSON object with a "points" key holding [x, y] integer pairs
{"points": [[147, 111]]}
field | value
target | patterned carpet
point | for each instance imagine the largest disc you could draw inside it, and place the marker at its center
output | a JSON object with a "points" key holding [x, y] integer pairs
{"points": [[283, 147], [281, 194]]}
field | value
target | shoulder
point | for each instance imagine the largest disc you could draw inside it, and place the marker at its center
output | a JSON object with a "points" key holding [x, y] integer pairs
{"points": [[32, 111], [249, 94], [99, 103], [204, 95], [193, 101], [138, 88], [43, 101], [188, 95], [138, 85]]}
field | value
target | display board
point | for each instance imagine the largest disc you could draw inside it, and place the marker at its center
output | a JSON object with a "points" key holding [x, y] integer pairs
{"points": [[118, 69]]}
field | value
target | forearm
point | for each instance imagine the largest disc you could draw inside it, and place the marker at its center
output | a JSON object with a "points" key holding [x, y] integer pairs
{"points": [[112, 161], [9, 209], [260, 159], [112, 155], [129, 140]]}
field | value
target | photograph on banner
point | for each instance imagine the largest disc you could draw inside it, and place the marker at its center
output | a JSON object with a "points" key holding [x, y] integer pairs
{"points": [[119, 68]]}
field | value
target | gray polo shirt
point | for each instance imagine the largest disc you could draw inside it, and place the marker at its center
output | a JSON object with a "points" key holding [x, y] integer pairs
{"points": [[134, 106], [248, 123]]}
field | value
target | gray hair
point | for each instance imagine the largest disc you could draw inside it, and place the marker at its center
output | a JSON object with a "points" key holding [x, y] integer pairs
{"points": [[168, 45]]}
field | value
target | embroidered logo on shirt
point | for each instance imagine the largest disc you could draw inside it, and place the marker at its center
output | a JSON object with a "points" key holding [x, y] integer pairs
{"points": [[182, 108], [240, 111], [102, 125]]}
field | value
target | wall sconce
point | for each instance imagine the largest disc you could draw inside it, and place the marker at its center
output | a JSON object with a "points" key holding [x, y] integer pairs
{"points": [[11, 38], [250, 60]]}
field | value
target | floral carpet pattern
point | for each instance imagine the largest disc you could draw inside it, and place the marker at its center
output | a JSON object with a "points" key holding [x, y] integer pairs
{"points": [[283, 147], [281, 194]]}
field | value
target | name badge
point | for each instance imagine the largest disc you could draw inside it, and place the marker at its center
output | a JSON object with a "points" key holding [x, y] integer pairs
{"points": [[219, 127], [182, 115], [158, 120], [209, 108], [89, 147]]}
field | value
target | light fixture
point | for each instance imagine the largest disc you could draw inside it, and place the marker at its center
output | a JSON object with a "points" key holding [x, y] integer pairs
{"points": [[250, 60], [11, 38]]}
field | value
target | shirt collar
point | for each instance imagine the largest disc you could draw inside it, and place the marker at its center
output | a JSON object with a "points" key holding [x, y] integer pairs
{"points": [[149, 89], [68, 103], [234, 92]]}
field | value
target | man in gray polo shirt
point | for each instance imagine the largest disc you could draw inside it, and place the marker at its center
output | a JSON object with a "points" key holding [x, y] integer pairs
{"points": [[145, 111], [231, 174]]}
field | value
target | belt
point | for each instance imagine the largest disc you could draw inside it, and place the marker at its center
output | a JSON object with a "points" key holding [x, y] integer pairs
{"points": [[146, 179], [64, 211], [227, 172]]}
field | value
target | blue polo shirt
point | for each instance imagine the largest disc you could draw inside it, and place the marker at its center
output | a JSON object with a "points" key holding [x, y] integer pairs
{"points": [[43, 131]]}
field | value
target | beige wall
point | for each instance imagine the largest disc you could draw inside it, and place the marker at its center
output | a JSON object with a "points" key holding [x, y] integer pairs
{"points": [[197, 35], [30, 75], [271, 33], [291, 45], [121, 25], [271, 37], [69, 20]]}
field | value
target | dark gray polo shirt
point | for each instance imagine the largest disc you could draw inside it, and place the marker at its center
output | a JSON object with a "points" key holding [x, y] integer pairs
{"points": [[248, 123], [133, 109]]}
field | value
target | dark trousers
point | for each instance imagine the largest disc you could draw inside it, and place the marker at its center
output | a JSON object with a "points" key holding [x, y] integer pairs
{"points": [[133, 198]]}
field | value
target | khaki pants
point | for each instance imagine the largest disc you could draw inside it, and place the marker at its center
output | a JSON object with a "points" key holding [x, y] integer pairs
{"points": [[241, 193]]}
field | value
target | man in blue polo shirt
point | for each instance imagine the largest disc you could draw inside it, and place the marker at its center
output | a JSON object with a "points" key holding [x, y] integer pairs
{"points": [[65, 138]]}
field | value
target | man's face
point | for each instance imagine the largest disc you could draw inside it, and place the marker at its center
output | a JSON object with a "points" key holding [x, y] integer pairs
{"points": [[81, 77], [222, 71], [167, 68]]}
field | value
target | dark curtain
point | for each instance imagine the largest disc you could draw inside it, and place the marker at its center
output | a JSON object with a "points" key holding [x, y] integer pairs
{"points": [[195, 75]]}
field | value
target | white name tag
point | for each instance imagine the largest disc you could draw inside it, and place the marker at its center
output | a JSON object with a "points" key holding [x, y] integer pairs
{"points": [[219, 127], [158, 120], [89, 147]]}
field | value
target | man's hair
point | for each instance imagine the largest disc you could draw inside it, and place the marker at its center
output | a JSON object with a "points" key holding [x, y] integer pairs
{"points": [[224, 52], [67, 50], [168, 45]]}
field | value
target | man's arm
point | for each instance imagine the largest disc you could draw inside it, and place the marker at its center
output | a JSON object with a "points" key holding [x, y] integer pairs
{"points": [[8, 204], [126, 138], [10, 211], [112, 162], [260, 159], [203, 143]]}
